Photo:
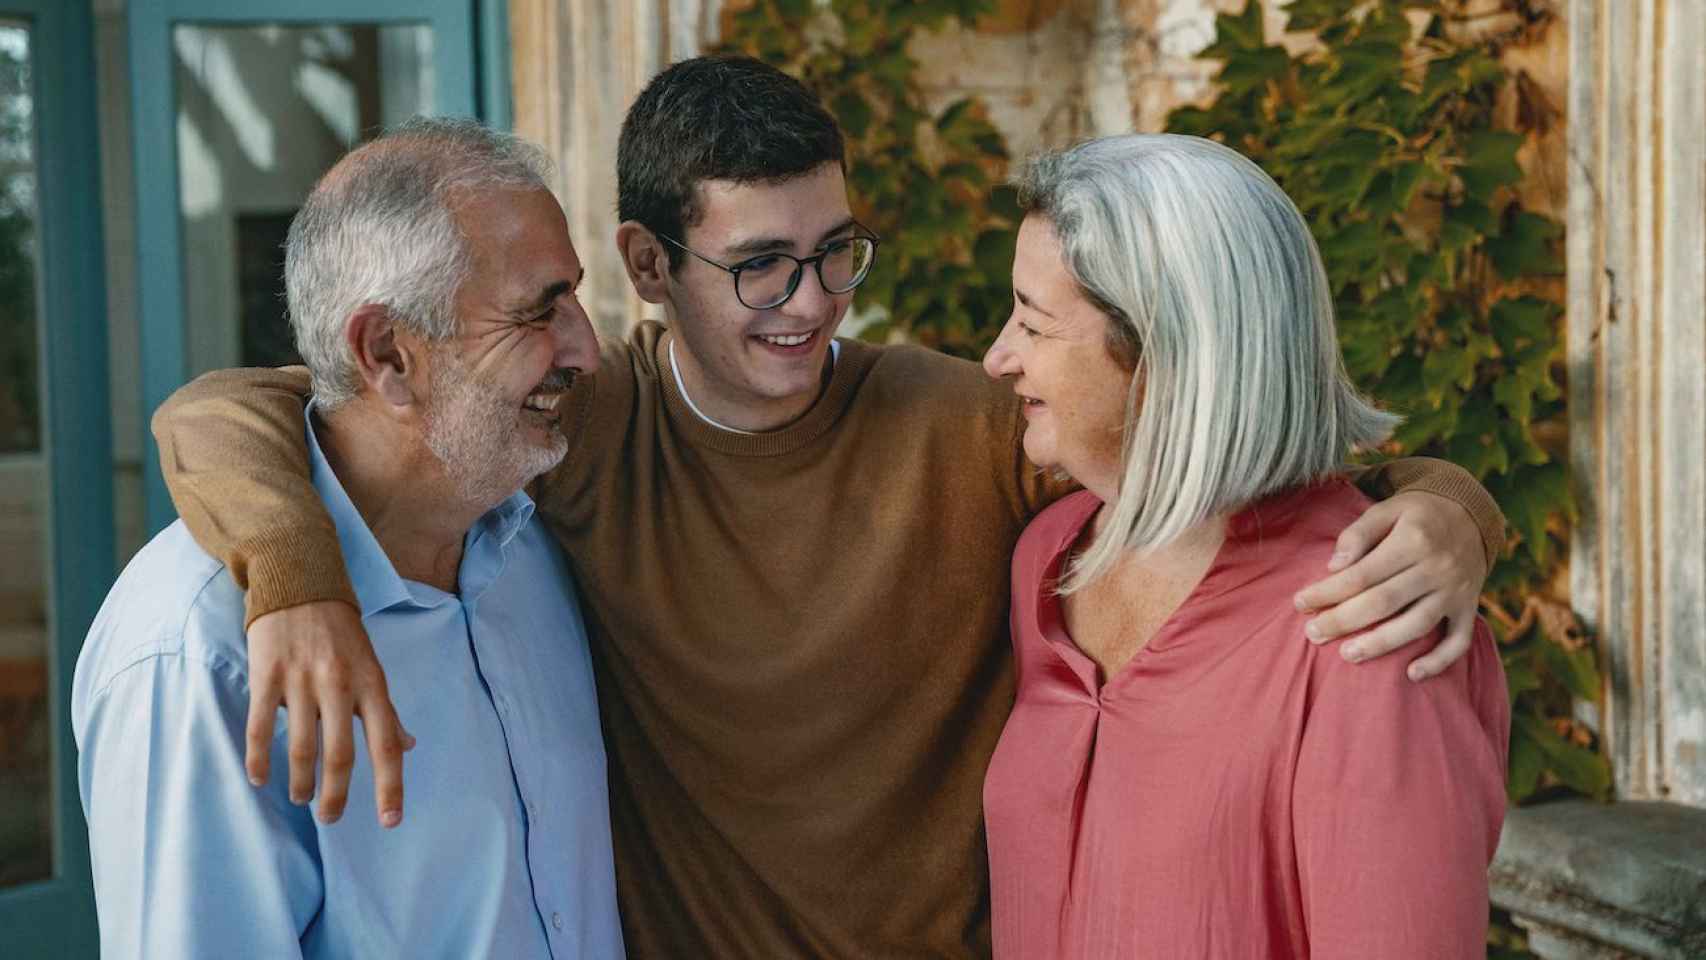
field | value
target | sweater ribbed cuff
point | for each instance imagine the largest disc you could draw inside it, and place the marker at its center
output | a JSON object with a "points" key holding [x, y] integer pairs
{"points": [[286, 568], [1460, 487]]}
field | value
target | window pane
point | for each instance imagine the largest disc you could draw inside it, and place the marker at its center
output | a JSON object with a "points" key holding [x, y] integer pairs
{"points": [[262, 111], [26, 790]]}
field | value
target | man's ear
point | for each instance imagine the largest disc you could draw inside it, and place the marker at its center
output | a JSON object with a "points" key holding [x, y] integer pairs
{"points": [[645, 259], [389, 363]]}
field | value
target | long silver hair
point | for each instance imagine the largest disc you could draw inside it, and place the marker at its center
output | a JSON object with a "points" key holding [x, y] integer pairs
{"points": [[1217, 299]]}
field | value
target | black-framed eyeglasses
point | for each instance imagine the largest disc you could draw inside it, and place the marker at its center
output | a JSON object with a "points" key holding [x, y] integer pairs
{"points": [[769, 279]]}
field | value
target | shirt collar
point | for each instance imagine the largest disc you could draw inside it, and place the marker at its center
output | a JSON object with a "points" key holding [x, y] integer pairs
{"points": [[377, 583]]}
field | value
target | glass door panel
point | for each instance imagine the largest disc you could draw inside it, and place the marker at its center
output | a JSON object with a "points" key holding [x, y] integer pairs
{"points": [[56, 553], [26, 741], [261, 112]]}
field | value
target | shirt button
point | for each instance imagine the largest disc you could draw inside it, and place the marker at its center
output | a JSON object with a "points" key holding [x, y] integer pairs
{"points": [[557, 920], [533, 810]]}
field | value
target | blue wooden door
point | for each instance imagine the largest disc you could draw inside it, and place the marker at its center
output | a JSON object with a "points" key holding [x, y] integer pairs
{"points": [[56, 518], [237, 106]]}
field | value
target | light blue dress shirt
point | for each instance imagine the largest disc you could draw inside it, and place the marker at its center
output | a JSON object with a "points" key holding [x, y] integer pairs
{"points": [[504, 850]]}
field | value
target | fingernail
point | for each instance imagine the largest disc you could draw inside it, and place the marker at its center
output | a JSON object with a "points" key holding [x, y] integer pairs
{"points": [[1338, 560], [390, 818], [1350, 653], [1301, 606], [1415, 674], [257, 782], [1313, 632], [329, 818]]}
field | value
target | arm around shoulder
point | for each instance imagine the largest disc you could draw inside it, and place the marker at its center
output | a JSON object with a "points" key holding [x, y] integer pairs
{"points": [[1444, 479], [235, 459]]}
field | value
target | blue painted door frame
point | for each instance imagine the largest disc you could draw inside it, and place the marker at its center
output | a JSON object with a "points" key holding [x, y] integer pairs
{"points": [[56, 918], [471, 70]]}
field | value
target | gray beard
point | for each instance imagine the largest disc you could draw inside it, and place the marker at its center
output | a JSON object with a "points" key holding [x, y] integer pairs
{"points": [[478, 435]]}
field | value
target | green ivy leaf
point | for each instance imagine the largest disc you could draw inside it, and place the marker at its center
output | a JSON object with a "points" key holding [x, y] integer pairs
{"points": [[1527, 762], [1193, 121], [854, 113], [1477, 444], [1407, 178], [1518, 322], [1248, 69], [1315, 14], [1366, 67], [1527, 247], [1581, 769], [1236, 32], [1576, 669], [993, 255], [1520, 676], [1530, 498], [1004, 202], [1489, 162]]}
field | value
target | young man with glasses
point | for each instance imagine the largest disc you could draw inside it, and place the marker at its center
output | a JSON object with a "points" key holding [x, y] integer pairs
{"points": [[794, 552]]}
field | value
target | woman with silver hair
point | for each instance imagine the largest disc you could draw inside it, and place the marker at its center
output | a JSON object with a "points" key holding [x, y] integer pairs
{"points": [[1183, 775]]}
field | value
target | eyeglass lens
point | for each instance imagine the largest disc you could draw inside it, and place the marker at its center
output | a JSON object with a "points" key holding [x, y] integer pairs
{"points": [[767, 281]]}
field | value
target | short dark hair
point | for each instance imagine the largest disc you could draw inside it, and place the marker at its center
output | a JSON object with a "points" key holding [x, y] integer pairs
{"points": [[715, 118]]}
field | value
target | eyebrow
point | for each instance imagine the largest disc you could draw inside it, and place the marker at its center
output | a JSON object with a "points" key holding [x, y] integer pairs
{"points": [[1032, 304], [758, 245]]}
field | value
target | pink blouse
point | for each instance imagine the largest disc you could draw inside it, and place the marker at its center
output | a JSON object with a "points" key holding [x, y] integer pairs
{"points": [[1235, 791]]}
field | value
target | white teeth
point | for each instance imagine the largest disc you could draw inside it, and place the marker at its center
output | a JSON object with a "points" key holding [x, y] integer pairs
{"points": [[544, 402], [789, 341]]}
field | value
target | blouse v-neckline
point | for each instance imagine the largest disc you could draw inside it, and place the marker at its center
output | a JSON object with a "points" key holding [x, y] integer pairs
{"points": [[1244, 530]]}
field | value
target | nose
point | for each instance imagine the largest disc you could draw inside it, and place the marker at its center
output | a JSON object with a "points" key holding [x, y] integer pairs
{"points": [[1002, 360], [811, 302], [574, 343]]}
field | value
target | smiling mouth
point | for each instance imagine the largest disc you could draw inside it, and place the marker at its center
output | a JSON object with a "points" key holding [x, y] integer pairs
{"points": [[785, 339], [550, 391], [542, 402]]}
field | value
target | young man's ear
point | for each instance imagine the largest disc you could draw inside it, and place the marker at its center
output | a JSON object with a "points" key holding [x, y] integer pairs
{"points": [[645, 259], [388, 363]]}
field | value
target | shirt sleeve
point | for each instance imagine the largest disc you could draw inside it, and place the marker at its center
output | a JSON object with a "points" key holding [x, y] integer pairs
{"points": [[1397, 805], [235, 457], [1442, 478], [189, 859]]}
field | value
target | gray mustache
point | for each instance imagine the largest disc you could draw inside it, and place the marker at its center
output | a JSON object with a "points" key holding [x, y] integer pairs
{"points": [[557, 381]]}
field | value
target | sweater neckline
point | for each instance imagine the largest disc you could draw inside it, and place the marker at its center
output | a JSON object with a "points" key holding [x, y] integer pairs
{"points": [[855, 359]]}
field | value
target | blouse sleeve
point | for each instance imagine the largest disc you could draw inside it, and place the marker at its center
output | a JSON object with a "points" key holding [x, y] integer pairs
{"points": [[1397, 804]]}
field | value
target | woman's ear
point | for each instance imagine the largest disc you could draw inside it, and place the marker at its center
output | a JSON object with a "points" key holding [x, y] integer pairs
{"points": [[388, 363], [645, 259]]}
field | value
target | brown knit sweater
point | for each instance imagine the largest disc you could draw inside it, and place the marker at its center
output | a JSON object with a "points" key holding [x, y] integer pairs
{"points": [[800, 637]]}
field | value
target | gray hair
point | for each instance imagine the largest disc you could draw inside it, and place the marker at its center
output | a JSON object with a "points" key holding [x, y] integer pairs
{"points": [[1217, 299], [378, 229]]}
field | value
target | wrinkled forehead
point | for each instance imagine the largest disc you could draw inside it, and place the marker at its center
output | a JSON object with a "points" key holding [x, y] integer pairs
{"points": [[517, 239]]}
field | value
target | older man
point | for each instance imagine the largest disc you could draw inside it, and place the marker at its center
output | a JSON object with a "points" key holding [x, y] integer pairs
{"points": [[431, 283]]}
